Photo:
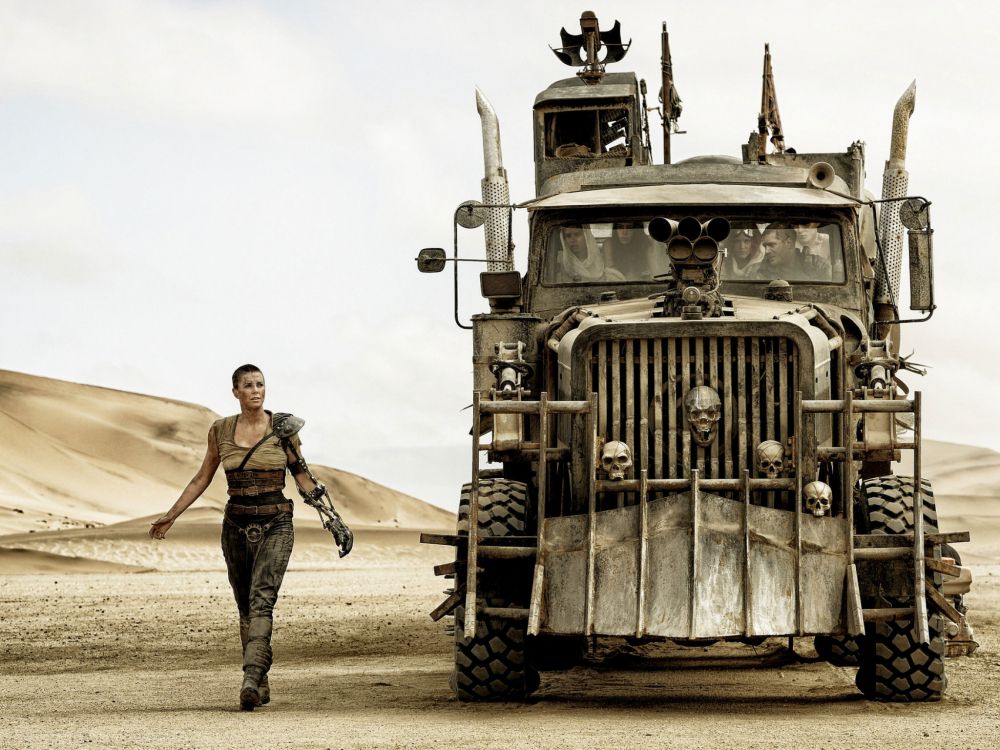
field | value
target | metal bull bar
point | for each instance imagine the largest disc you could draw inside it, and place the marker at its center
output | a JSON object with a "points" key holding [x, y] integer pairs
{"points": [[543, 408], [848, 407]]}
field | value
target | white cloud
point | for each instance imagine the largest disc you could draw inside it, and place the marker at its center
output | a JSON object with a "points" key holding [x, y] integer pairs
{"points": [[220, 61], [53, 232]]}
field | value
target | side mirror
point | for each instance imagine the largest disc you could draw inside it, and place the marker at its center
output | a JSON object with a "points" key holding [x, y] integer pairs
{"points": [[921, 270], [914, 214], [430, 260]]}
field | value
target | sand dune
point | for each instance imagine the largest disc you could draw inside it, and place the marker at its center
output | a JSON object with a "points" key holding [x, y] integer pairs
{"points": [[73, 456], [99, 464]]}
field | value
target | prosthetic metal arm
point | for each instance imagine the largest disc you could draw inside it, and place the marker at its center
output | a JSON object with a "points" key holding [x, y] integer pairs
{"points": [[286, 425]]}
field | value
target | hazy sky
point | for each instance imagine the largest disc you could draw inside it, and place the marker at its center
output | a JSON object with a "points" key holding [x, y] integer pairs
{"points": [[187, 186]]}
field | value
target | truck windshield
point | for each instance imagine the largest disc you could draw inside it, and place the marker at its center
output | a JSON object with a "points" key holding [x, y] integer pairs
{"points": [[622, 251]]}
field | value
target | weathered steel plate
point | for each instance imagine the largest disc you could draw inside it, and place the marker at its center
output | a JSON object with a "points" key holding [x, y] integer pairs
{"points": [[717, 605]]}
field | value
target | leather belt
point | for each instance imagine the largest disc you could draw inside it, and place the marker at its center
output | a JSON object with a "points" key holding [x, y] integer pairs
{"points": [[255, 489], [256, 474], [258, 510], [253, 482]]}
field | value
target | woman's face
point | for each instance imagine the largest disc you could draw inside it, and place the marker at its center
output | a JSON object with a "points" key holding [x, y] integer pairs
{"points": [[624, 233], [250, 391]]}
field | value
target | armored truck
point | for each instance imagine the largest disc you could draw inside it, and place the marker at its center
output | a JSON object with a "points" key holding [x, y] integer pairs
{"points": [[686, 411]]}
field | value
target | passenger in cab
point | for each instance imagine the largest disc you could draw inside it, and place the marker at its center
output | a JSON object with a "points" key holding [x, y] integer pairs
{"points": [[632, 252], [813, 242], [580, 259], [743, 253]]}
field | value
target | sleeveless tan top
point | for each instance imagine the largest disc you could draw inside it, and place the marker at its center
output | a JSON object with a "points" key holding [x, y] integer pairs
{"points": [[270, 456]]}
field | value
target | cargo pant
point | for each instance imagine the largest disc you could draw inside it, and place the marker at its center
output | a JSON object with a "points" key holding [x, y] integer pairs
{"points": [[255, 573]]}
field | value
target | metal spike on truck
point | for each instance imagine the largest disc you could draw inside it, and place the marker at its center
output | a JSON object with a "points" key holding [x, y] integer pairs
{"points": [[690, 404]]}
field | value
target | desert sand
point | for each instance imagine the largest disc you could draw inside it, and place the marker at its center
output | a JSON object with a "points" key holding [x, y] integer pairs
{"points": [[108, 639]]}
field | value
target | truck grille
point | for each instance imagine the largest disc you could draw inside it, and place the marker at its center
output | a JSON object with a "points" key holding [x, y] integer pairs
{"points": [[641, 385]]}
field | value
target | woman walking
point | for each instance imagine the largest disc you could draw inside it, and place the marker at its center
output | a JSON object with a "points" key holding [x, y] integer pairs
{"points": [[255, 448]]}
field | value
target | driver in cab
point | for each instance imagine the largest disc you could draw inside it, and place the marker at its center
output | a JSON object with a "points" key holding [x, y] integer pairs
{"points": [[783, 260]]}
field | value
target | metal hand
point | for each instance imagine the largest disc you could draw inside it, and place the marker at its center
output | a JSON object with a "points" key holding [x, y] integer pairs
{"points": [[332, 522]]}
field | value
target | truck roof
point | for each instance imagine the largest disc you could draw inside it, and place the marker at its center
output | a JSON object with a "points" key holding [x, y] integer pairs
{"points": [[711, 194]]}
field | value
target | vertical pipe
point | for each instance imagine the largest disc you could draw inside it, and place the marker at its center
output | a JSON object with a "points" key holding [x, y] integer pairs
{"points": [[767, 402], [747, 601], [472, 561], [799, 625], [591, 515], [919, 596], [658, 408], [602, 386], [848, 490], [496, 192], [712, 380], [695, 567], [673, 419], [895, 184], [686, 384], [534, 615], [640, 628], [731, 456], [755, 399], [543, 461], [643, 441], [629, 405], [744, 449], [616, 390]]}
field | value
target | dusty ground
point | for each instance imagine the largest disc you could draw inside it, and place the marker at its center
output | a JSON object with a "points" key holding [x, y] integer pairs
{"points": [[151, 660]]}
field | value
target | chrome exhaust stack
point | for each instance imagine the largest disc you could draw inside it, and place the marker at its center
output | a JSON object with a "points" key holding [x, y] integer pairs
{"points": [[496, 192], [895, 184]]}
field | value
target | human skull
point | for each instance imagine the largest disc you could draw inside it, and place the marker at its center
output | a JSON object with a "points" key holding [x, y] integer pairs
{"points": [[616, 459], [703, 408], [817, 496], [770, 458]]}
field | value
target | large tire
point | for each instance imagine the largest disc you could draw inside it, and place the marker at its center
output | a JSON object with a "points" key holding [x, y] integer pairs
{"points": [[889, 505], [493, 664], [894, 664], [839, 650]]}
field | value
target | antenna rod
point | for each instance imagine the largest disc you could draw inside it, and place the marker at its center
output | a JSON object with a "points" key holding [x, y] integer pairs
{"points": [[667, 68]]}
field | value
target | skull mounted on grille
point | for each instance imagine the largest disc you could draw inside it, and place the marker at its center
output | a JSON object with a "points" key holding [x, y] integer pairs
{"points": [[703, 408], [770, 458], [616, 459], [818, 497]]}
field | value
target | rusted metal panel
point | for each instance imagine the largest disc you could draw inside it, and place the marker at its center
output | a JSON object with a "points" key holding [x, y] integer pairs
{"points": [[719, 583], [737, 543], [772, 571], [823, 566], [616, 573]]}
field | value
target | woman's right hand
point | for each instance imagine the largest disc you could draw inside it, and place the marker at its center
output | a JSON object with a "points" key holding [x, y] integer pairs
{"points": [[159, 528]]}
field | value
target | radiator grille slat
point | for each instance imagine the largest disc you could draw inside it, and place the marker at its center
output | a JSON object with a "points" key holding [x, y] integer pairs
{"points": [[642, 383]]}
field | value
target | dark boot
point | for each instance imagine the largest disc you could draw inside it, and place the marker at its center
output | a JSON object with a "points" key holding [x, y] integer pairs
{"points": [[256, 660], [250, 689]]}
